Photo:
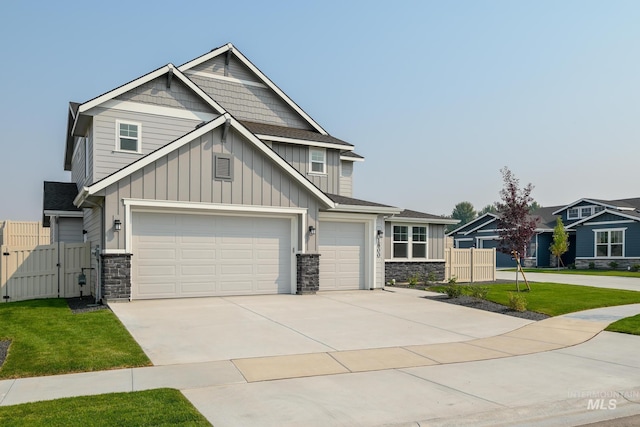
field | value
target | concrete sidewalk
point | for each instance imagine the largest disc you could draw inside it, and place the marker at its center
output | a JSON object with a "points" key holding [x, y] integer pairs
{"points": [[609, 282], [514, 374]]}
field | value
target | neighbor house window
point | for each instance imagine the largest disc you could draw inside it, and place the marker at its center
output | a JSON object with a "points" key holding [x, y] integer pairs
{"points": [[597, 209], [409, 241], [128, 136], [609, 243], [585, 212], [573, 213], [317, 161]]}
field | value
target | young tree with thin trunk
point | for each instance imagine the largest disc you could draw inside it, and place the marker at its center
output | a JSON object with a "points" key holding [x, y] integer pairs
{"points": [[560, 243], [516, 226]]}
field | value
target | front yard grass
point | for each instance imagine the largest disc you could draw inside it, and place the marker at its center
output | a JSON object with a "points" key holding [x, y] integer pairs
{"points": [[617, 273], [47, 339], [554, 299], [628, 325], [144, 408]]}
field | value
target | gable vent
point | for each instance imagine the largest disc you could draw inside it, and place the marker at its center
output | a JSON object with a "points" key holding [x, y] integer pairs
{"points": [[223, 167]]}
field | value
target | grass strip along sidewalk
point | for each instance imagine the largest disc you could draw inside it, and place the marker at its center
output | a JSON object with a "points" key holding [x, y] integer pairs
{"points": [[47, 339], [160, 407]]}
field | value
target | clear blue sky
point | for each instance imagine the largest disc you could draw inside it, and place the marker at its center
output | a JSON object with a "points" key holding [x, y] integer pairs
{"points": [[437, 95]]}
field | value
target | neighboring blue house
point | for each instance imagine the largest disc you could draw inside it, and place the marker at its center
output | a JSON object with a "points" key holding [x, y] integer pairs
{"points": [[600, 231]]}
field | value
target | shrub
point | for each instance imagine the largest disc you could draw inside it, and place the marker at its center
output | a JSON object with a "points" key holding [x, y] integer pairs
{"points": [[453, 280], [571, 266], [517, 301], [635, 267], [478, 291], [431, 277], [613, 265], [413, 279], [592, 266], [453, 290]]}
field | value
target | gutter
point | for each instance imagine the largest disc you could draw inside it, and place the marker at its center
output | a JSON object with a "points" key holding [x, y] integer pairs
{"points": [[81, 197]]}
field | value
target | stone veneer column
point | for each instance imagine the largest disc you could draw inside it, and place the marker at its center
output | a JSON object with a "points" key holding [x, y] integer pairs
{"points": [[308, 273], [116, 276]]}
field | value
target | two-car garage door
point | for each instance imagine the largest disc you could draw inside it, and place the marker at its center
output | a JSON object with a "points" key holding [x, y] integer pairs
{"points": [[188, 255]]}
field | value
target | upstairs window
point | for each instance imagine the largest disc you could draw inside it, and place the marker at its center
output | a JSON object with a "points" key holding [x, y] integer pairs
{"points": [[573, 213], [585, 212], [317, 161], [597, 209], [128, 136]]}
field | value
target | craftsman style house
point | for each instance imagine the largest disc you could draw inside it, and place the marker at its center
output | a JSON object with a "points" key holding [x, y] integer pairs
{"points": [[206, 179], [600, 232]]}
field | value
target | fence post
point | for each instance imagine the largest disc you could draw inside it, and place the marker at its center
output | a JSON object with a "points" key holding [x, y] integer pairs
{"points": [[4, 258]]}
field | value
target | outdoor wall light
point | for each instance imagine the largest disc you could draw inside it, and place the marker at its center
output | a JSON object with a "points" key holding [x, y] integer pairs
{"points": [[117, 225], [312, 230], [380, 234]]}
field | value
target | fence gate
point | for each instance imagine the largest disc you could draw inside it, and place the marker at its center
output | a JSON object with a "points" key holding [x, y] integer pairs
{"points": [[470, 265], [45, 271]]}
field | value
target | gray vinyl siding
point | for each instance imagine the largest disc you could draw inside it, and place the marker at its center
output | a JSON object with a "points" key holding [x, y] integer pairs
{"points": [[186, 174], [585, 237], [78, 162], [157, 131], [156, 92], [92, 224], [346, 179], [69, 230], [236, 69], [435, 242], [256, 104], [298, 157]]}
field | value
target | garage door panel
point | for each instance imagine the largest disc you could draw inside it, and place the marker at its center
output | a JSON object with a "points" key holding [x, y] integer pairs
{"points": [[342, 251], [178, 255]]}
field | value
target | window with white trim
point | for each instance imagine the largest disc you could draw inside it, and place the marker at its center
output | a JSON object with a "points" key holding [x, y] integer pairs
{"points": [[317, 161], [409, 242], [585, 211], [128, 136], [573, 213], [609, 243], [597, 209]]}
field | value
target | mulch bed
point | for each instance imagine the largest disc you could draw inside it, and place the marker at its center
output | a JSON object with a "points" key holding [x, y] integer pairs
{"points": [[84, 305], [4, 348]]}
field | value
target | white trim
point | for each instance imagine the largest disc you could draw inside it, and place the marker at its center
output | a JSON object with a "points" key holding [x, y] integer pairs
{"points": [[410, 241], [471, 222], [157, 110], [608, 231], [70, 214], [370, 264], [224, 78], [463, 239], [138, 138], [632, 218], [480, 226], [443, 221], [114, 251], [305, 142], [351, 159], [261, 76], [491, 230], [365, 209], [593, 202], [624, 221]]}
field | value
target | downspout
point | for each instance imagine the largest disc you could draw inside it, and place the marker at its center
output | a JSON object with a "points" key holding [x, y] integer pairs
{"points": [[57, 222], [97, 250]]}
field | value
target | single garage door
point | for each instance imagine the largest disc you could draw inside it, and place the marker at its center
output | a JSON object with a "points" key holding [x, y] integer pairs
{"points": [[342, 252], [189, 255]]}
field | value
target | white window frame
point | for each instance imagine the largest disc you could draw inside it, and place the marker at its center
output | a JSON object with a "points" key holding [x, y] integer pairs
{"points": [[608, 231], [410, 242], [583, 209], [312, 161], [576, 216], [138, 138]]}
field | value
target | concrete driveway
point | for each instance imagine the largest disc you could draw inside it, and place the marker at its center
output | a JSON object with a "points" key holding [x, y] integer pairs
{"points": [[224, 328]]}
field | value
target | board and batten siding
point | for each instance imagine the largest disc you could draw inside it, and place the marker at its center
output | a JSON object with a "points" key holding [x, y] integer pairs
{"points": [[248, 102], [68, 230], [585, 236], [187, 175], [298, 157], [346, 179], [435, 244], [79, 175], [157, 131]]}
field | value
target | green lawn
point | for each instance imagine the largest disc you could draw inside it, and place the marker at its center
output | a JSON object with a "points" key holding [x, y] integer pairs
{"points": [[618, 273], [629, 325], [47, 339], [161, 407], [555, 299]]}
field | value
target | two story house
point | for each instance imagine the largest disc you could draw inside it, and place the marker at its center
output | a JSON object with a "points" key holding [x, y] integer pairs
{"points": [[600, 232], [206, 179]]}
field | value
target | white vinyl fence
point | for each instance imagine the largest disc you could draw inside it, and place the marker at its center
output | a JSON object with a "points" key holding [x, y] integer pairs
{"points": [[45, 271], [470, 265]]}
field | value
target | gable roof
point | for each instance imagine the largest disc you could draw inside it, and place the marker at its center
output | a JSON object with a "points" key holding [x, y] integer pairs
{"points": [[349, 204], [294, 135], [351, 156], [77, 109], [487, 218], [174, 145], [415, 216], [634, 216], [623, 204], [233, 50]]}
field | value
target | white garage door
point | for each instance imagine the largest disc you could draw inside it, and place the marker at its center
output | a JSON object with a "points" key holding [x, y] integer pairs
{"points": [[188, 255], [342, 252]]}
